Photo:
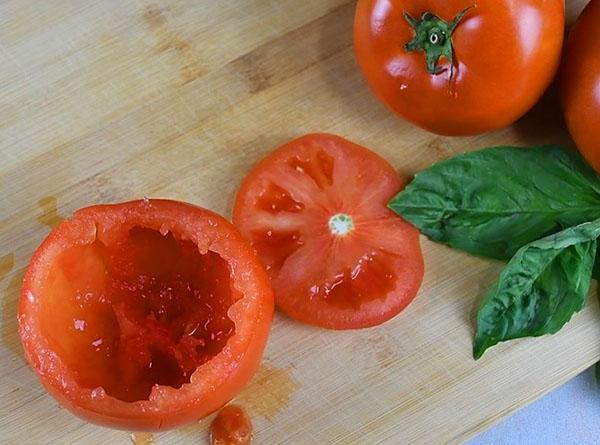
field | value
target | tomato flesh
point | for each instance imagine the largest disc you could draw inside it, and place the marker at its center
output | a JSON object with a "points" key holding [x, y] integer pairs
{"points": [[150, 310], [316, 212], [144, 315]]}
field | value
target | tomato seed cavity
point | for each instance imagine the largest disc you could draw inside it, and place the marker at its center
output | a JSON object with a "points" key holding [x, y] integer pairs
{"points": [[137, 309]]}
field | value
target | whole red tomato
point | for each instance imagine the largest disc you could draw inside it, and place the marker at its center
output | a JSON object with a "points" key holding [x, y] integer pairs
{"points": [[144, 315], [580, 83], [459, 67]]}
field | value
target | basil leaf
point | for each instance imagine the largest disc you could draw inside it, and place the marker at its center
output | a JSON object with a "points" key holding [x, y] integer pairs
{"points": [[493, 201], [540, 289]]}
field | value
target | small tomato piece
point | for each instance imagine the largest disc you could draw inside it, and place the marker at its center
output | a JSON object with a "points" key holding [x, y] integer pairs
{"points": [[316, 212], [144, 315], [231, 427]]}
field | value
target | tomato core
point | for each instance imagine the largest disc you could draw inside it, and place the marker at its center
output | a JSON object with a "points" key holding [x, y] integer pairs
{"points": [[137, 309], [341, 224]]}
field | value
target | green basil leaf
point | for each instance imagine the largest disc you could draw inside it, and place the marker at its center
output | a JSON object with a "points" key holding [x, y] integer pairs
{"points": [[493, 201], [540, 289]]}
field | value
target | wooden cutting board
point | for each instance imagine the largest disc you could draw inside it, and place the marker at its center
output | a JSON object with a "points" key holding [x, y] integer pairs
{"points": [[108, 101]]}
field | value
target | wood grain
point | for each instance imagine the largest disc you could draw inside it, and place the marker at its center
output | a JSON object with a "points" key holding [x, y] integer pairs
{"points": [[110, 101]]}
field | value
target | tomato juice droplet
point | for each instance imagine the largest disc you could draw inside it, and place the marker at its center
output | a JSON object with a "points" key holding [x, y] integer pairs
{"points": [[50, 216], [7, 263], [231, 427], [142, 438], [9, 303]]}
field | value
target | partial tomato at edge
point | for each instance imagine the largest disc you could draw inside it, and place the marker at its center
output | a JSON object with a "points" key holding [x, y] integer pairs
{"points": [[316, 211], [505, 54], [144, 315], [580, 83]]}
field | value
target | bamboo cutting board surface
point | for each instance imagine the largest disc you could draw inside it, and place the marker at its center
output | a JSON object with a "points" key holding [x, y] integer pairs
{"points": [[109, 101]]}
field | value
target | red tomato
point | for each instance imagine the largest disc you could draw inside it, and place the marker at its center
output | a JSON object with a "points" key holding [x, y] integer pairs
{"points": [[459, 67], [316, 212], [144, 315], [580, 83]]}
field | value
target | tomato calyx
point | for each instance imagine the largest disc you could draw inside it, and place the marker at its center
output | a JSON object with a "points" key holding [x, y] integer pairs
{"points": [[433, 36]]}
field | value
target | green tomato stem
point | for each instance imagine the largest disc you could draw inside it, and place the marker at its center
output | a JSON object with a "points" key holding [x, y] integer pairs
{"points": [[433, 36]]}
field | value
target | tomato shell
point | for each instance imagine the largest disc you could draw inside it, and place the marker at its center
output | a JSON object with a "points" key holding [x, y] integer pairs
{"points": [[292, 208], [580, 83], [88, 331], [506, 53]]}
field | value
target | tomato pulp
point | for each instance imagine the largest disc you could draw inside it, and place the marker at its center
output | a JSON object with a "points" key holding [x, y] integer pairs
{"points": [[146, 314], [459, 67], [316, 212], [580, 83]]}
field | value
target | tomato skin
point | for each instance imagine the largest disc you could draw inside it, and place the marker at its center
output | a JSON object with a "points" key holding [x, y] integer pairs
{"points": [[213, 383], [506, 55], [580, 83], [284, 208]]}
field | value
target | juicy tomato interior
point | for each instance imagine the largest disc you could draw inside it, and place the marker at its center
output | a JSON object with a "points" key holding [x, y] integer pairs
{"points": [[137, 309], [316, 212]]}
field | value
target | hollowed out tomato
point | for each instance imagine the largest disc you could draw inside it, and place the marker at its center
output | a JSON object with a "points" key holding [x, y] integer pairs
{"points": [[144, 315], [316, 212]]}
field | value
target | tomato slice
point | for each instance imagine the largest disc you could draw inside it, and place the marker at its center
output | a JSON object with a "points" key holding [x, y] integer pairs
{"points": [[316, 212], [144, 315]]}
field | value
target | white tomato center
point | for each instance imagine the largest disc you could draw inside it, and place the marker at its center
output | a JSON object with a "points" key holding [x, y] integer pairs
{"points": [[341, 224]]}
